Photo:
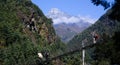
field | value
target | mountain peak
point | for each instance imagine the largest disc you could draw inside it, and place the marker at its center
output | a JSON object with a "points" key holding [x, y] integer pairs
{"points": [[59, 16], [55, 11]]}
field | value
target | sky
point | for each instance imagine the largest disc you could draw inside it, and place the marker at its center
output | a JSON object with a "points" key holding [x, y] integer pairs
{"points": [[80, 9]]}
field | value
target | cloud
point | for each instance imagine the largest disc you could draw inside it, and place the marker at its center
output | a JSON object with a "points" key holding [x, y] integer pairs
{"points": [[59, 16]]}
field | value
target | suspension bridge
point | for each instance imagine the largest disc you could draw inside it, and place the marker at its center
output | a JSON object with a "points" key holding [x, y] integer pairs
{"points": [[71, 52]]}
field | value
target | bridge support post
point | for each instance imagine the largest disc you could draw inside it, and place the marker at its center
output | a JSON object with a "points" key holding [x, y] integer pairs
{"points": [[83, 54]]}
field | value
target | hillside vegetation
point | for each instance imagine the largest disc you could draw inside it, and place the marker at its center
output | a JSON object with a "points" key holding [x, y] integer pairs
{"points": [[104, 25], [106, 52], [25, 31], [20, 43]]}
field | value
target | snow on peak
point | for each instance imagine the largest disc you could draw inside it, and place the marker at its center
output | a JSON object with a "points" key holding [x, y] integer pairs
{"points": [[59, 16]]}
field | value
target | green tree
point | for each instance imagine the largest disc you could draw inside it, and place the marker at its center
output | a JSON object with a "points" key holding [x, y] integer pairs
{"points": [[108, 52], [115, 13]]}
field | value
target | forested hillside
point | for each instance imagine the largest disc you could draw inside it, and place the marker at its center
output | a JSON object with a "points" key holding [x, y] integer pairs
{"points": [[25, 31], [106, 52], [103, 26]]}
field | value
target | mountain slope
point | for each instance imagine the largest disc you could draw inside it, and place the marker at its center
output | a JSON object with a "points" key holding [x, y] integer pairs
{"points": [[66, 25], [25, 31], [103, 26], [66, 31]]}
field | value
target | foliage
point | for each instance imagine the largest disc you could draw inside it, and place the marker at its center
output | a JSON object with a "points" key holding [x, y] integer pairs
{"points": [[115, 14], [105, 27], [104, 3], [108, 53], [19, 54], [17, 46], [74, 59]]}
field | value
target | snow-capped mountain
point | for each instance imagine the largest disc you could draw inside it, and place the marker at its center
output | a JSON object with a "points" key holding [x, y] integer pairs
{"points": [[66, 26]]}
